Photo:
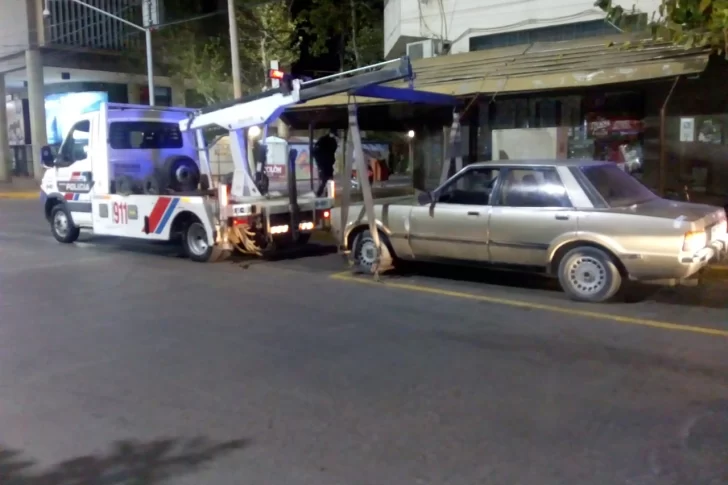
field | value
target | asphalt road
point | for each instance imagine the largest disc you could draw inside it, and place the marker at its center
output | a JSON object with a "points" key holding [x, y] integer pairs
{"points": [[121, 361]]}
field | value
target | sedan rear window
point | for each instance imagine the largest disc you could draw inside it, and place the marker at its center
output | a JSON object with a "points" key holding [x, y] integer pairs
{"points": [[617, 187]]}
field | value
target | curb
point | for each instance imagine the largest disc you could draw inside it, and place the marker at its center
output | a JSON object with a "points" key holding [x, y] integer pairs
{"points": [[19, 195]]}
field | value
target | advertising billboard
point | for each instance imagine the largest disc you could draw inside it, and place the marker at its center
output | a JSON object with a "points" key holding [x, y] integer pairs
{"points": [[63, 110], [17, 123]]}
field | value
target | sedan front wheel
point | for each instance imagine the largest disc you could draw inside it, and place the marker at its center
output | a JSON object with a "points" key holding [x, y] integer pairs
{"points": [[589, 274], [364, 253]]}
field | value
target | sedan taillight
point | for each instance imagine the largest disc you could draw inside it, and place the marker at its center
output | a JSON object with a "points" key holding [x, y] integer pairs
{"points": [[695, 241]]}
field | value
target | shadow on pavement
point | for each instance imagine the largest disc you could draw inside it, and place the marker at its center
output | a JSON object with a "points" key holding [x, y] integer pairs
{"points": [[127, 463], [477, 275], [709, 294], [173, 250]]}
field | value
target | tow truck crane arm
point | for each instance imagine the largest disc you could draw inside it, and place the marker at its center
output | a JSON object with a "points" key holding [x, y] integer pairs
{"points": [[265, 107]]}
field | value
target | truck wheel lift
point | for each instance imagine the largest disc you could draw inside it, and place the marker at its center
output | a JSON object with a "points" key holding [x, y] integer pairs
{"points": [[262, 109]]}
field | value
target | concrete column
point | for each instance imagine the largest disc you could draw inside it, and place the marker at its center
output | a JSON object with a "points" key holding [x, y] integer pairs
{"points": [[133, 93], [36, 105], [5, 158]]}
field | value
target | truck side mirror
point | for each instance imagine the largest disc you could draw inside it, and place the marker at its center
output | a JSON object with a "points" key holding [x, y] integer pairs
{"points": [[46, 156]]}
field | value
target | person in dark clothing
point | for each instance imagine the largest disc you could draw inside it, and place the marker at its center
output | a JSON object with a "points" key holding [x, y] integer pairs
{"points": [[324, 152]]}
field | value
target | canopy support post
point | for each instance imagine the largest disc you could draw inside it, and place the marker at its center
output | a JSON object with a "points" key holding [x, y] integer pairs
{"points": [[310, 154], [362, 173], [454, 151]]}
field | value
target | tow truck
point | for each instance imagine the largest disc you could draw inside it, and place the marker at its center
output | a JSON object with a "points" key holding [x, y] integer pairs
{"points": [[143, 172]]}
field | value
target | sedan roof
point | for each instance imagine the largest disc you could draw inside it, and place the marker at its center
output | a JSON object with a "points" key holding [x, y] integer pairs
{"points": [[540, 163]]}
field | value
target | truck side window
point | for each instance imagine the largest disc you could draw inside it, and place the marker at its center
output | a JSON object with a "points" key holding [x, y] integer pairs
{"points": [[144, 135], [75, 146]]}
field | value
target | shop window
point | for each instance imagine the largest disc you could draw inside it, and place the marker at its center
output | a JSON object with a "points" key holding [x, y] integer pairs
{"points": [[511, 113], [571, 111], [544, 112]]}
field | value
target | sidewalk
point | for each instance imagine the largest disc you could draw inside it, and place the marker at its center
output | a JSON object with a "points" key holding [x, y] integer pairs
{"points": [[20, 188]]}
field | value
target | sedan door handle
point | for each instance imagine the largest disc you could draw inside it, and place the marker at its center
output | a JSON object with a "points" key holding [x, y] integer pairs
{"points": [[562, 217], [473, 213]]}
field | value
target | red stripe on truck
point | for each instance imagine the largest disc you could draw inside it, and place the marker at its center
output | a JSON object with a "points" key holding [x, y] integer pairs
{"points": [[157, 212]]}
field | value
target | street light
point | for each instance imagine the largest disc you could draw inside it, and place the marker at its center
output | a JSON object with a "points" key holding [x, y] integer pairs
{"points": [[411, 134]]}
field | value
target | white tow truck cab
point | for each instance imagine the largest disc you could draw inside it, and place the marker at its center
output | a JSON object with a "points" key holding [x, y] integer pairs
{"points": [[143, 172]]}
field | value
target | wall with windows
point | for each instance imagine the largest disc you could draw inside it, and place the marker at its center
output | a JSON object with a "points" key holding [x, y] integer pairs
{"points": [[73, 25], [459, 21], [572, 31], [696, 133]]}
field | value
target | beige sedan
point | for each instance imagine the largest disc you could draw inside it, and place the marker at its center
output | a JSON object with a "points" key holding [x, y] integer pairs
{"points": [[590, 224]]}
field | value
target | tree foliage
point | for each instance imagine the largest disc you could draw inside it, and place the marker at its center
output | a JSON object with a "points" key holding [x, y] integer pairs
{"points": [[690, 23], [266, 31], [355, 23], [198, 60]]}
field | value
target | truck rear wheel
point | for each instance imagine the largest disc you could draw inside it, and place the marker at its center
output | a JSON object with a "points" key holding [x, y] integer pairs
{"points": [[62, 226], [198, 248]]}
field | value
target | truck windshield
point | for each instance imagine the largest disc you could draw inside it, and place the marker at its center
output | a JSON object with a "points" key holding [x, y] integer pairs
{"points": [[144, 135], [617, 187]]}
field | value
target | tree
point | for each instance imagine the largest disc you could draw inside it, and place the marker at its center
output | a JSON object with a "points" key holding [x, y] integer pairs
{"points": [[690, 23], [366, 47], [198, 59], [265, 32], [356, 25]]}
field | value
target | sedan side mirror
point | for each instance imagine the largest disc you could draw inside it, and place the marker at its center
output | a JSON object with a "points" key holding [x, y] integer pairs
{"points": [[46, 156], [424, 198]]}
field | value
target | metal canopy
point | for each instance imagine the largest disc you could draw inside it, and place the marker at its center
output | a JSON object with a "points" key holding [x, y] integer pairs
{"points": [[407, 95]]}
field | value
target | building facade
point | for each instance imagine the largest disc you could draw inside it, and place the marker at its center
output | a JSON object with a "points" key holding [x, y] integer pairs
{"points": [[607, 117], [457, 26], [57, 56]]}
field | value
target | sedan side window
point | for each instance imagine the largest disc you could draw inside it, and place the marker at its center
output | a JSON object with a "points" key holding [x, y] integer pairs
{"points": [[533, 187], [473, 187]]}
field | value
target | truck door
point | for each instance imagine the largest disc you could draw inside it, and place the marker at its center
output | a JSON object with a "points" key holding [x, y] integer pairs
{"points": [[73, 173]]}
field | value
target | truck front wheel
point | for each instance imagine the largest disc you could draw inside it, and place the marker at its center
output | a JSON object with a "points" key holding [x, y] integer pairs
{"points": [[197, 247], [62, 226]]}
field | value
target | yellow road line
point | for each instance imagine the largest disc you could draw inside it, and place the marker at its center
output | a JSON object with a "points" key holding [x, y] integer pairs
{"points": [[346, 276], [718, 268], [19, 195]]}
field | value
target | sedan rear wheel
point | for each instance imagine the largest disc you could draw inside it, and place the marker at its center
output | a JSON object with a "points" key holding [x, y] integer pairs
{"points": [[589, 274]]}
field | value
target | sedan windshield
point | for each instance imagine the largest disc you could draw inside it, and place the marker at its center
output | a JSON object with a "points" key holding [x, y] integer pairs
{"points": [[617, 187]]}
